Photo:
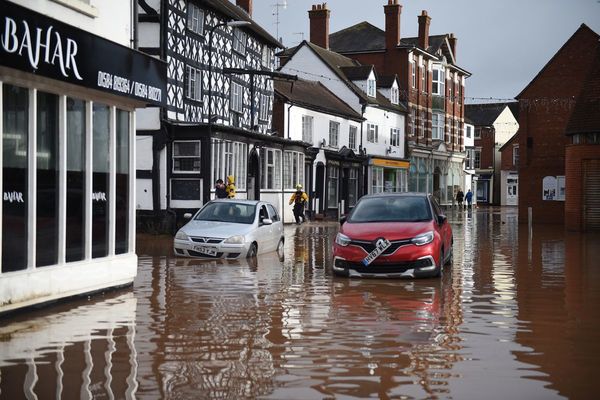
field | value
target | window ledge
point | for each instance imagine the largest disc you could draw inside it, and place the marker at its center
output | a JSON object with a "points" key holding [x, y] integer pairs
{"points": [[79, 6]]}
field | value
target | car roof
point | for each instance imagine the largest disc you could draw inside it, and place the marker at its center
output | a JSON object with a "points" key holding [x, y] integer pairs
{"points": [[243, 201], [396, 194]]}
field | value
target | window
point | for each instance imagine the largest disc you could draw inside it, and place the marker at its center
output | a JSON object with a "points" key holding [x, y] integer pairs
{"points": [[185, 189], [477, 133], [476, 158], [469, 131], [76, 199], [271, 171], [352, 137], [516, 155], [394, 94], [423, 80], [186, 156], [439, 81], [193, 87], [413, 121], [371, 88], [456, 132], [307, 129], [352, 186], [334, 132], [332, 186], [239, 41], [264, 107], [293, 169], [195, 19], [437, 126], [372, 133], [101, 196], [237, 100], [267, 55], [423, 119], [229, 158], [122, 183], [377, 181], [395, 137]]}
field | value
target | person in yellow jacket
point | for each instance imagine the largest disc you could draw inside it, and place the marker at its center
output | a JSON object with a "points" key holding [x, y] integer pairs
{"points": [[299, 199], [230, 188]]}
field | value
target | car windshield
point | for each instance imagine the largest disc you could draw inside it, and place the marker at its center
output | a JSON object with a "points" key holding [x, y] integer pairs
{"points": [[229, 211], [391, 209]]}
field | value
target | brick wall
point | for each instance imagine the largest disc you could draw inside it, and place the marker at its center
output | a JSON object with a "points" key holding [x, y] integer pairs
{"points": [[575, 155], [546, 105]]}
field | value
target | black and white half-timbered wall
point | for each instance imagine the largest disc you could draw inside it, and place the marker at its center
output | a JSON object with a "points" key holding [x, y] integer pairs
{"points": [[218, 117]]}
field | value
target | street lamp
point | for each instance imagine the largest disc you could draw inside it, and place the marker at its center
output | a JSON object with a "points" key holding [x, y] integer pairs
{"points": [[210, 61]]}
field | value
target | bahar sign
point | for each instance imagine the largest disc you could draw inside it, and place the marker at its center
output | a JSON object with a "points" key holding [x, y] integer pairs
{"points": [[34, 43]]}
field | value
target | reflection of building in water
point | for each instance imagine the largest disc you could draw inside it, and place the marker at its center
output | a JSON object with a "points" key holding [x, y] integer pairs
{"points": [[85, 352]]}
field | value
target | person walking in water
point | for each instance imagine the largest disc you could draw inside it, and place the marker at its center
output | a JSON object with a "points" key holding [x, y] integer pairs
{"points": [[469, 198], [230, 189], [459, 198], [299, 199]]}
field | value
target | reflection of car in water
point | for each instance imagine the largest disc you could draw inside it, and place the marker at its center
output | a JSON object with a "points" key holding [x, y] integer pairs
{"points": [[393, 235], [226, 228]]}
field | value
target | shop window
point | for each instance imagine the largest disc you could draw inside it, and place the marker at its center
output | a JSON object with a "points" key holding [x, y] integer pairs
{"points": [[47, 189], [271, 175], [332, 186], [307, 129], [185, 189], [377, 180], [100, 180], [230, 158], [15, 119], [293, 169], [186, 156], [76, 204], [122, 183], [352, 186]]}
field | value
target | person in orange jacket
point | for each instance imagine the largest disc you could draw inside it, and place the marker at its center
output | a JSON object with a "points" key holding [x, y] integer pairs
{"points": [[299, 199]]}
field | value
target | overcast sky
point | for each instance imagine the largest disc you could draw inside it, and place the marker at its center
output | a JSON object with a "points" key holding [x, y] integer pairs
{"points": [[503, 43]]}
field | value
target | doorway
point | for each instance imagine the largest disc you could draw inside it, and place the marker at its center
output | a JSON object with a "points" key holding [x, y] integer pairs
{"points": [[253, 182]]}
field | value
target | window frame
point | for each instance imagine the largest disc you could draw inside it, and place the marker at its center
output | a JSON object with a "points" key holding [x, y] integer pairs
{"points": [[438, 86], [273, 168], [307, 128], [352, 136], [394, 95], [198, 18], [264, 107], [515, 155], [291, 176], [229, 158], [240, 41], [197, 87], [236, 98], [372, 133], [371, 88], [395, 137], [173, 157], [334, 133], [438, 122]]}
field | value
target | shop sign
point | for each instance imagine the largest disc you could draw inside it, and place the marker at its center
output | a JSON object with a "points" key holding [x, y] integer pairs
{"points": [[382, 162], [40, 45]]}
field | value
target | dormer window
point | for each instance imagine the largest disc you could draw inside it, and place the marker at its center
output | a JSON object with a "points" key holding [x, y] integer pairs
{"points": [[371, 88], [394, 95]]}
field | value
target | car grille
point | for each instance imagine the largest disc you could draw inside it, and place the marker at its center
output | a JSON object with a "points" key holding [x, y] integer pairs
{"points": [[383, 268], [197, 254], [210, 240], [368, 247]]}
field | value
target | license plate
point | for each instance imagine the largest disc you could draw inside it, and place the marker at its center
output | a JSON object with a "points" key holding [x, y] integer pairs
{"points": [[380, 247], [209, 251]]}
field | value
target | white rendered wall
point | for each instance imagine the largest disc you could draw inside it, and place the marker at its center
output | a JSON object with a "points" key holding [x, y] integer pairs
{"points": [[308, 66], [385, 120], [148, 118], [149, 34], [112, 19]]}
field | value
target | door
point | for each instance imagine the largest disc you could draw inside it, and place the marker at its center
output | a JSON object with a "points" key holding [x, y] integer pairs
{"points": [[591, 194], [512, 183], [253, 184], [265, 234], [320, 184]]}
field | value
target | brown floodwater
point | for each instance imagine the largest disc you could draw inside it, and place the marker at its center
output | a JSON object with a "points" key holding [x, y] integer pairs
{"points": [[516, 316]]}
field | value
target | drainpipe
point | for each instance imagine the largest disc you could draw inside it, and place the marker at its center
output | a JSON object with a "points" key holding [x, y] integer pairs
{"points": [[288, 119]]}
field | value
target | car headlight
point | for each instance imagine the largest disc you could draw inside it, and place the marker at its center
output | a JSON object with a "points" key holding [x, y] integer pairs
{"points": [[237, 239], [423, 239], [181, 235], [342, 239]]}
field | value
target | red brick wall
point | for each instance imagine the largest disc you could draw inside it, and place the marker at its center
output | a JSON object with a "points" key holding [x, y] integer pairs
{"points": [[486, 143], [545, 108], [506, 159], [575, 154], [279, 116]]}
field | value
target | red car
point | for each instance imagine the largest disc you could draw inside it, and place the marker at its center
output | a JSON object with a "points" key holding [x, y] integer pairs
{"points": [[393, 235]]}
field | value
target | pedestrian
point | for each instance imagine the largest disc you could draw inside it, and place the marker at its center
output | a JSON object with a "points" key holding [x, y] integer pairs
{"points": [[459, 198], [299, 199], [220, 191], [469, 198], [230, 188]]}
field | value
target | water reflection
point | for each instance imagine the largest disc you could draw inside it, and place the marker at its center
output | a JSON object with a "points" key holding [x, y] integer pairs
{"points": [[515, 316]]}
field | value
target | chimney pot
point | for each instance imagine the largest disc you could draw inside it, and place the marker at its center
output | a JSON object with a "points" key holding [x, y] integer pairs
{"points": [[319, 25]]}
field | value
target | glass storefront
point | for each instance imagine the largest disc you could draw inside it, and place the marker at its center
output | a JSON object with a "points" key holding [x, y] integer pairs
{"points": [[33, 226]]}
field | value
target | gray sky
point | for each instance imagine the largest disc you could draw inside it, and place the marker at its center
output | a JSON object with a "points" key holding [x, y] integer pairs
{"points": [[503, 43]]}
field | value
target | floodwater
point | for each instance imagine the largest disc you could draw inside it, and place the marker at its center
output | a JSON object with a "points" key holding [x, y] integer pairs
{"points": [[516, 316]]}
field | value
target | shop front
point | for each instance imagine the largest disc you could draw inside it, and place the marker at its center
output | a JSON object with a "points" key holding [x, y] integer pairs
{"points": [[67, 118], [387, 175]]}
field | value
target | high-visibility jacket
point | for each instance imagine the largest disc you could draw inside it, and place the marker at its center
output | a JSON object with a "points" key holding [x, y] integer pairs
{"points": [[299, 197]]}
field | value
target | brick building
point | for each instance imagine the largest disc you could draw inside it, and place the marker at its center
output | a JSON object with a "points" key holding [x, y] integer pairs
{"points": [[546, 106], [430, 82]]}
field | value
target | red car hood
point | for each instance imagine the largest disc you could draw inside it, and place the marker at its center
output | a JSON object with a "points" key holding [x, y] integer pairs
{"points": [[388, 230]]}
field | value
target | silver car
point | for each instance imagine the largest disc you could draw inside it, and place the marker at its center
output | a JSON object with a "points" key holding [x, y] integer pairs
{"points": [[234, 228]]}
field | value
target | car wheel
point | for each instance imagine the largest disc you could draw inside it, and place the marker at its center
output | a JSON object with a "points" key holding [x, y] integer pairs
{"points": [[252, 251], [450, 258], [440, 268], [280, 246]]}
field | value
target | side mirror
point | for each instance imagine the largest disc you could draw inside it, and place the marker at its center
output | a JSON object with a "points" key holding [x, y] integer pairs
{"points": [[343, 219], [266, 221], [187, 215], [441, 219]]}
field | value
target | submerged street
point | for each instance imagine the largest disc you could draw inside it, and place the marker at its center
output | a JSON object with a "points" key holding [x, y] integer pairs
{"points": [[515, 316]]}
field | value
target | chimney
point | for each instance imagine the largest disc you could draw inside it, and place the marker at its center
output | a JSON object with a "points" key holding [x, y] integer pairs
{"points": [[452, 41], [392, 24], [246, 5], [319, 25], [424, 21]]}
